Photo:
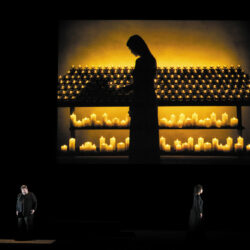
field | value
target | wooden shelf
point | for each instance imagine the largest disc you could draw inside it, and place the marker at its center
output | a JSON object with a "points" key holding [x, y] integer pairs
{"points": [[100, 128], [127, 104], [172, 153]]}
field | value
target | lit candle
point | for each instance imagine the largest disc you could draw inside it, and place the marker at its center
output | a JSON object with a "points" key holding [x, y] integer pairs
{"points": [[194, 119], [226, 148], [238, 147], [109, 123], [178, 148], [220, 147], [116, 121], [72, 144], [127, 119], [240, 140], [197, 148], [163, 122], [173, 119], [182, 117], [224, 119], [218, 123], [64, 148], [176, 142], [208, 122], [162, 142], [109, 148], [82, 148], [213, 119], [191, 143], [127, 143], [98, 123], [112, 142], [78, 123], [167, 148], [123, 123], [201, 123], [248, 147], [230, 142], [180, 124], [73, 118], [93, 148], [93, 119], [215, 143], [201, 142], [87, 146], [170, 124], [207, 146], [105, 118], [184, 146], [102, 140], [86, 122], [188, 122], [103, 147], [121, 146], [233, 122]]}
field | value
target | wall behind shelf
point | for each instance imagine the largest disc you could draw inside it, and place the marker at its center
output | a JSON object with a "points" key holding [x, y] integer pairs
{"points": [[172, 42]]}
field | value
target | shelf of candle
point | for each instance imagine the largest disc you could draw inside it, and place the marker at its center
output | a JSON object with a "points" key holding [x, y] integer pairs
{"points": [[189, 86], [102, 127], [212, 127]]}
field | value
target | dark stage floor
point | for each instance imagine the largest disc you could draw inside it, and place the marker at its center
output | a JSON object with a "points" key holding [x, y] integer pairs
{"points": [[165, 160], [135, 239]]}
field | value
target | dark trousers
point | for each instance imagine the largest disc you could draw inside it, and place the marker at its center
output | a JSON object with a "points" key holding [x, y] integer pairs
{"points": [[25, 225]]}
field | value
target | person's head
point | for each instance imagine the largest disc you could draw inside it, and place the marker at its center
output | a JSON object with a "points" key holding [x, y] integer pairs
{"points": [[24, 189], [198, 189], [137, 45]]}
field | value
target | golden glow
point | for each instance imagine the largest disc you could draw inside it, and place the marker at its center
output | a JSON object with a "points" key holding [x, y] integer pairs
{"points": [[173, 43]]}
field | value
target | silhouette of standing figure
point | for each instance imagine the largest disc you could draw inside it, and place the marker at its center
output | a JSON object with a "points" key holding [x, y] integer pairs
{"points": [[196, 214], [144, 134]]}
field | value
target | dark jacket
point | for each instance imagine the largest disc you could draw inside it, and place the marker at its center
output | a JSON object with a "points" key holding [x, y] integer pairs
{"points": [[197, 204], [196, 210], [25, 203]]}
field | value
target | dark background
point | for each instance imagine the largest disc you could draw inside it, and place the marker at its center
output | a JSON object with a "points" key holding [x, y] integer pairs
{"points": [[138, 197]]}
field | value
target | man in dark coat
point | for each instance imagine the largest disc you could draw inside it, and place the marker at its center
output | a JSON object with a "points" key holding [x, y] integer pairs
{"points": [[26, 206]]}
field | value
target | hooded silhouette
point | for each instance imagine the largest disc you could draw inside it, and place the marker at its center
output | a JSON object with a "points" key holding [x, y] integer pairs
{"points": [[144, 134]]}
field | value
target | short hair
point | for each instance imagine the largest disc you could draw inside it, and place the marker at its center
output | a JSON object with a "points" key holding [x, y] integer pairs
{"points": [[197, 188], [24, 186]]}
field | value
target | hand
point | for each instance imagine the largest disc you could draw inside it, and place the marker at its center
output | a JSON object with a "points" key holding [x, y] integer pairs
{"points": [[17, 213], [201, 215], [32, 211]]}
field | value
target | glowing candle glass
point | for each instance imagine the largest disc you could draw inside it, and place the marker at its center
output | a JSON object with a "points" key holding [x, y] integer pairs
{"points": [[233, 122], [64, 148], [72, 144]]}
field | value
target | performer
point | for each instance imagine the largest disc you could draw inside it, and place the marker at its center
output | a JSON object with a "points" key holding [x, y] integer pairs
{"points": [[26, 206], [196, 215], [144, 134]]}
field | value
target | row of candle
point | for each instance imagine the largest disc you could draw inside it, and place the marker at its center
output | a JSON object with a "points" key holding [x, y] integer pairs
{"points": [[219, 68], [194, 121], [178, 145], [103, 146], [216, 77], [204, 146], [106, 122]]}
